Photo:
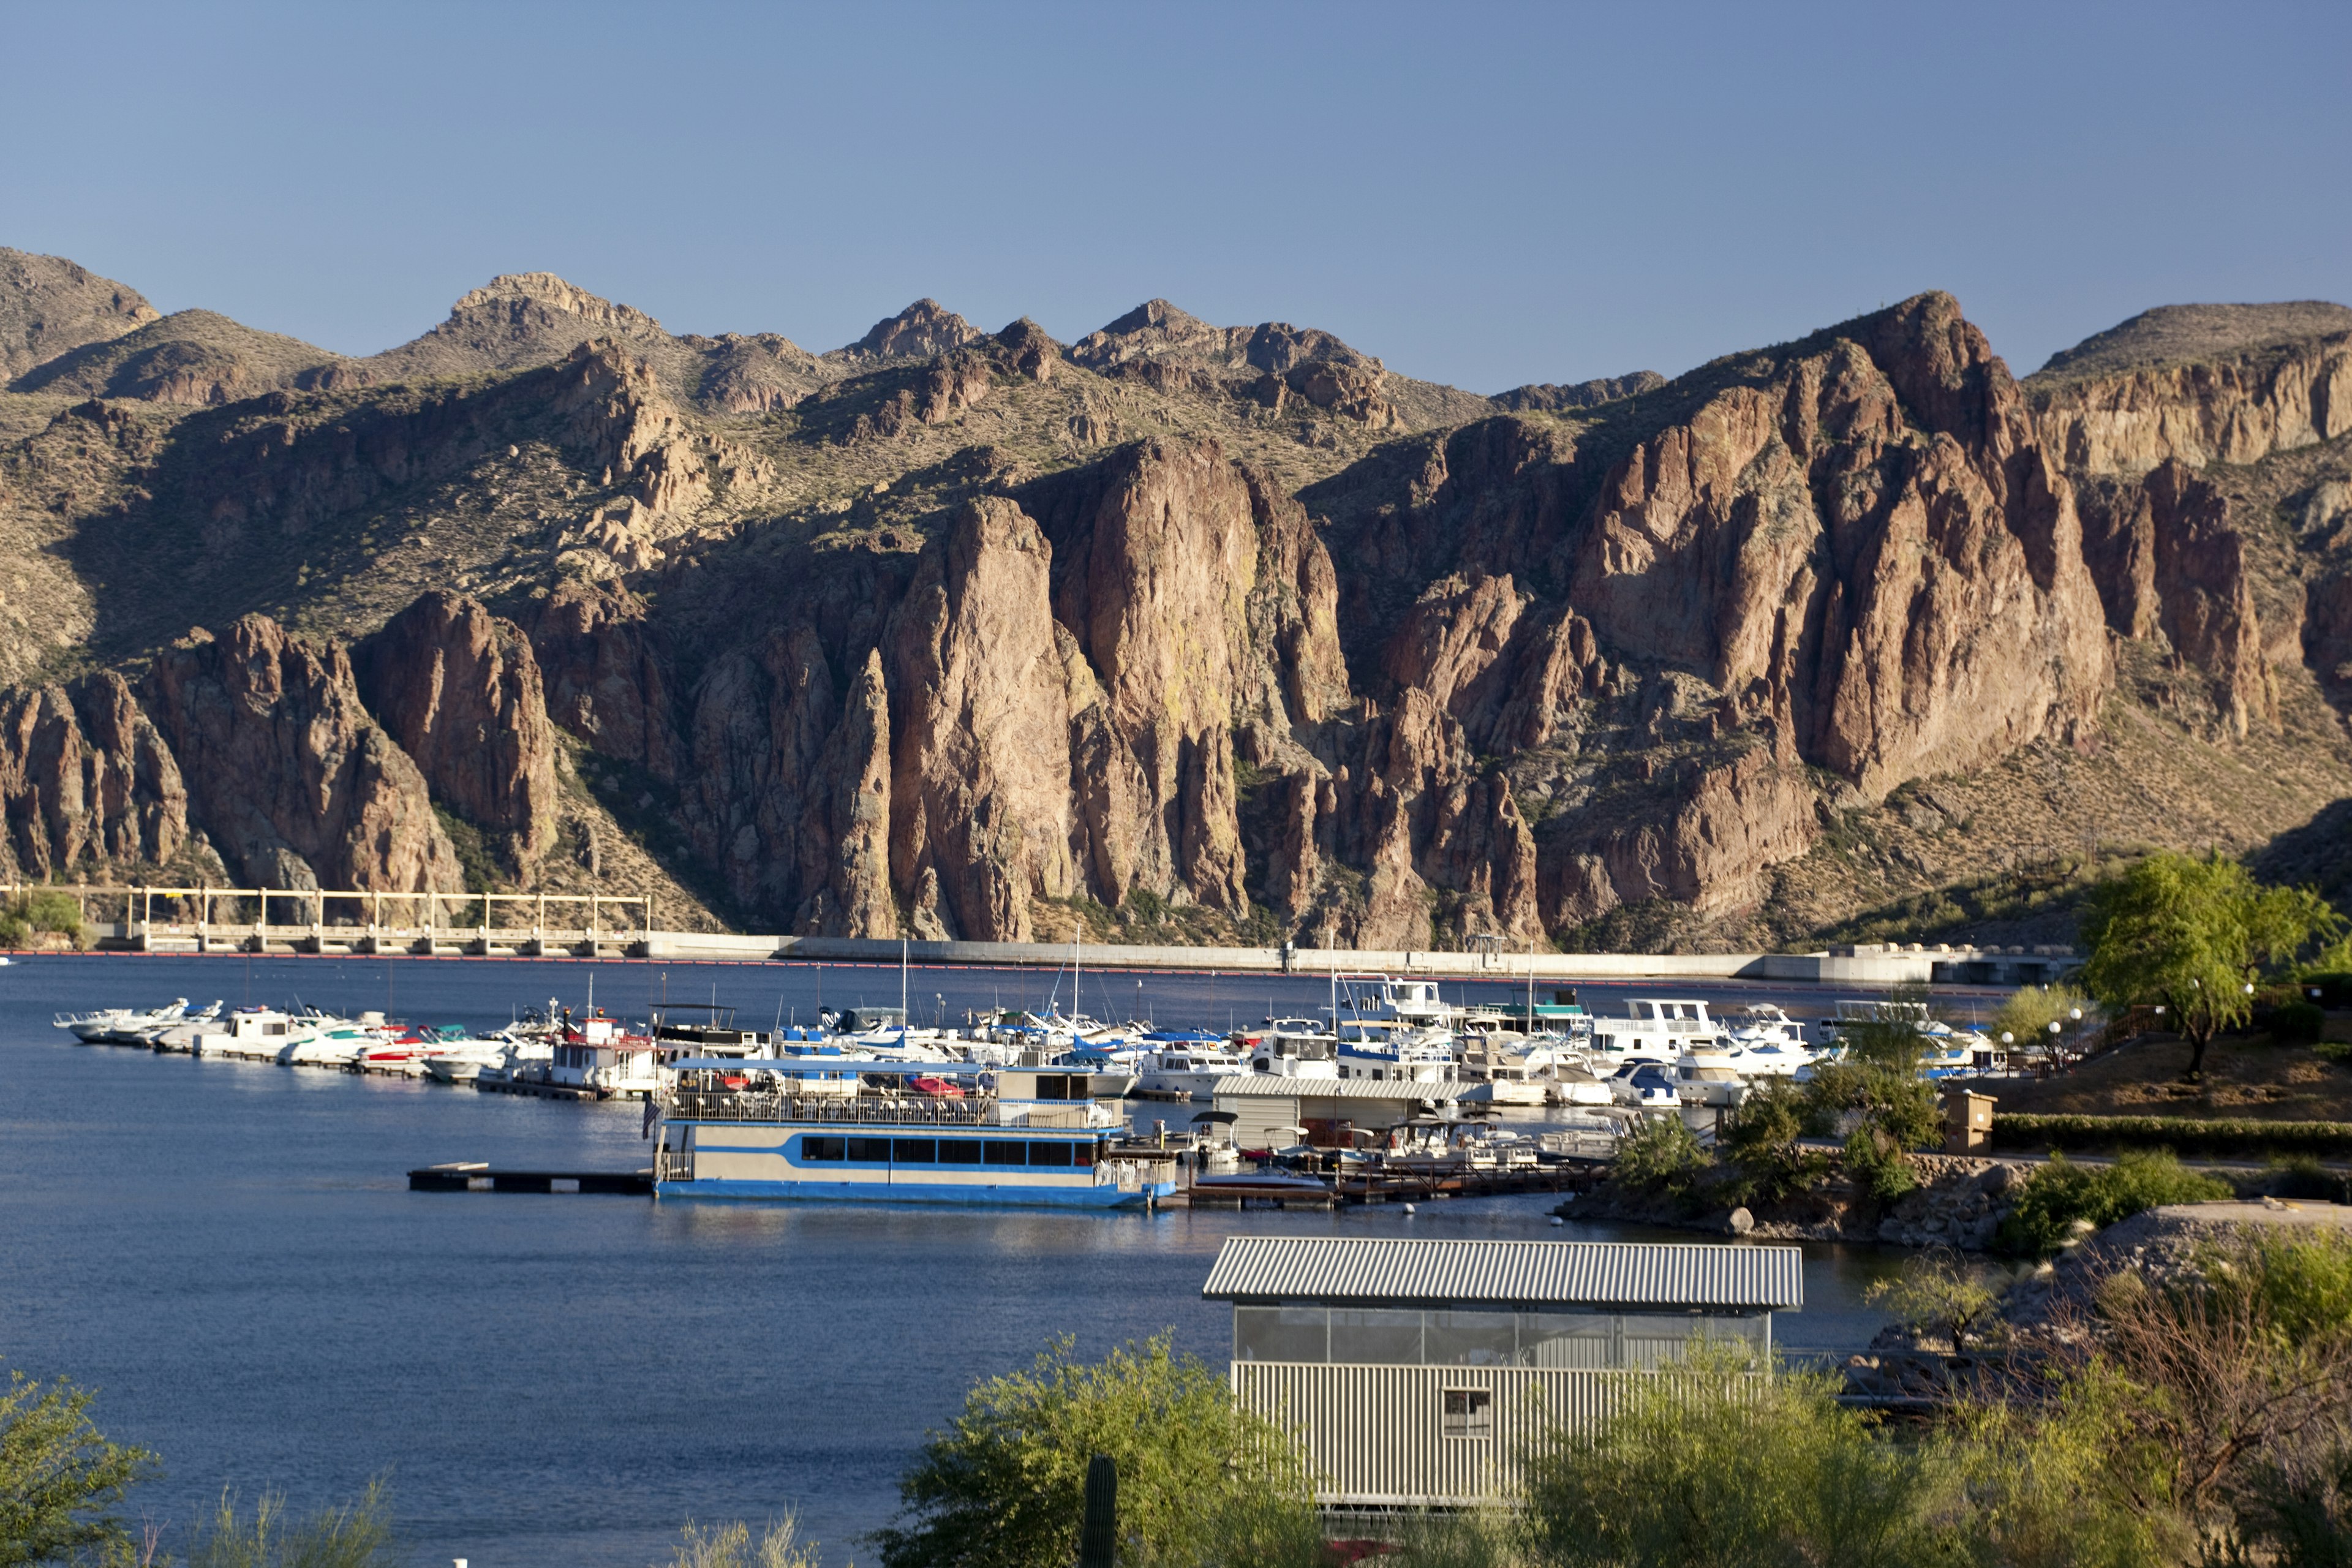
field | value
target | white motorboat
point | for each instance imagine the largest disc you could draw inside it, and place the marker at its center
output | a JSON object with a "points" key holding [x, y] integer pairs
{"points": [[1292, 1047], [1501, 1074], [1185, 1061], [88, 1027], [1645, 1083], [1708, 1077]]}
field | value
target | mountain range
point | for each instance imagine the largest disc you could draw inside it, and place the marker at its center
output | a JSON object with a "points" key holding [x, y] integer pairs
{"points": [[1177, 632]]}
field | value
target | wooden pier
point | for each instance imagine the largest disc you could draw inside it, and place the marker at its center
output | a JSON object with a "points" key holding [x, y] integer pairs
{"points": [[471, 1176]]}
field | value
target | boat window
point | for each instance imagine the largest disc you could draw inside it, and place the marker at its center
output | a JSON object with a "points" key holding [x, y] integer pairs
{"points": [[1468, 1413], [872, 1151], [1003, 1152], [1083, 1154], [814, 1148], [959, 1150], [915, 1151], [1050, 1154]]}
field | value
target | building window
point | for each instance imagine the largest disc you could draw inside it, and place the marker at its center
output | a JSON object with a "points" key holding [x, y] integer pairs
{"points": [[1468, 1413]]}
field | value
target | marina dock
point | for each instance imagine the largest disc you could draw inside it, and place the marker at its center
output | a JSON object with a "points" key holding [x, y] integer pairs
{"points": [[472, 1176]]}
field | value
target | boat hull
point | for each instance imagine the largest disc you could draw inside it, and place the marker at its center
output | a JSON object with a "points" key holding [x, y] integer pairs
{"points": [[958, 1193]]}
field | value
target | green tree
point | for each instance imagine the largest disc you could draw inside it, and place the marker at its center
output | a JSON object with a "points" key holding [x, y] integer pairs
{"points": [[1200, 1482], [59, 1478], [1761, 1140], [2192, 936], [2029, 1011]]}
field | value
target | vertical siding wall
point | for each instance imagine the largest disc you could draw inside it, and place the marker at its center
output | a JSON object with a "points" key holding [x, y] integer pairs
{"points": [[1374, 1435]]}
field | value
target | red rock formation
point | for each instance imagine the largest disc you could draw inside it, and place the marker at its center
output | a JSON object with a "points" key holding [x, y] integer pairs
{"points": [[296, 784], [603, 676], [980, 792], [459, 689], [2236, 407], [85, 778]]}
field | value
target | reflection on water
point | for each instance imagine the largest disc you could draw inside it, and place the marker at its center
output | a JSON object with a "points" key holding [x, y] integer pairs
{"points": [[230, 1252]]}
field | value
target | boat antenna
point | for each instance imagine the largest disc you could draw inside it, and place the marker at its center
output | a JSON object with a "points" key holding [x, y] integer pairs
{"points": [[902, 985]]}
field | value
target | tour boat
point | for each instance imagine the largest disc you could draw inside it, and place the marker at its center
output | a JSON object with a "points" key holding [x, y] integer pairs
{"points": [[731, 1128]]}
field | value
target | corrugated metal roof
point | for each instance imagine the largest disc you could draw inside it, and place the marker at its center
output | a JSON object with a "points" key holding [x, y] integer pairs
{"points": [[1581, 1273], [1262, 1085]]}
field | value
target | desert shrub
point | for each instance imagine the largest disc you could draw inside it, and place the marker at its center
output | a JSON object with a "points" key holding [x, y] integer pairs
{"points": [[779, 1545], [1938, 1292], [41, 909], [358, 1535], [2061, 1193], [1722, 1466], [1875, 1163], [2182, 1134], [2299, 1021], [1660, 1155]]}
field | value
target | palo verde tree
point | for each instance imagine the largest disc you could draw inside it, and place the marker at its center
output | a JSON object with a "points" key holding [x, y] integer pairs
{"points": [[59, 1479], [1199, 1480], [2193, 936]]}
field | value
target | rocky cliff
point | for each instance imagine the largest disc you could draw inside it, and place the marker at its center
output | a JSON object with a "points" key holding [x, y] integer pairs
{"points": [[1181, 630]]}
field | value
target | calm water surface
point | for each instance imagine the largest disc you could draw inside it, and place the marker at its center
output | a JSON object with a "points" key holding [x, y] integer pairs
{"points": [[230, 1252]]}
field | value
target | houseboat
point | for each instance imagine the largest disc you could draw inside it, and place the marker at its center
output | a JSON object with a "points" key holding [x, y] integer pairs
{"points": [[1655, 1027], [732, 1128]]}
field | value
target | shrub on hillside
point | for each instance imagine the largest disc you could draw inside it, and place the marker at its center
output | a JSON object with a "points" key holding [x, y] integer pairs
{"points": [[2061, 1193]]}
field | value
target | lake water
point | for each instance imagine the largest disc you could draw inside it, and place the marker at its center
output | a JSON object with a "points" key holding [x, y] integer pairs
{"points": [[230, 1252]]}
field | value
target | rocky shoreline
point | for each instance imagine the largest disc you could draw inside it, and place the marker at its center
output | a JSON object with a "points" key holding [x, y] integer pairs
{"points": [[1959, 1202]]}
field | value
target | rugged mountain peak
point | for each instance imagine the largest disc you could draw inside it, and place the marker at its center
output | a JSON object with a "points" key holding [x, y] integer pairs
{"points": [[920, 330], [2173, 334], [49, 305], [514, 294], [1546, 397], [1157, 330], [196, 358], [518, 318]]}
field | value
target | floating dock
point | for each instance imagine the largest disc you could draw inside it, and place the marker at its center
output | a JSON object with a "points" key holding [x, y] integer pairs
{"points": [[472, 1177]]}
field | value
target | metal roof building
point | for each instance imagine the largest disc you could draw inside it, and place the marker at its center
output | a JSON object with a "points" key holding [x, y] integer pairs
{"points": [[1417, 1373], [1264, 1104], [1333, 1271]]}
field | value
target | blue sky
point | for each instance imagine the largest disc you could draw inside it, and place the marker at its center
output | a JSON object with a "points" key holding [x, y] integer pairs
{"points": [[1484, 195]]}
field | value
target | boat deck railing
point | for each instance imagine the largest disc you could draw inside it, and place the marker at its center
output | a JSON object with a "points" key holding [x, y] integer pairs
{"points": [[868, 1110]]}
